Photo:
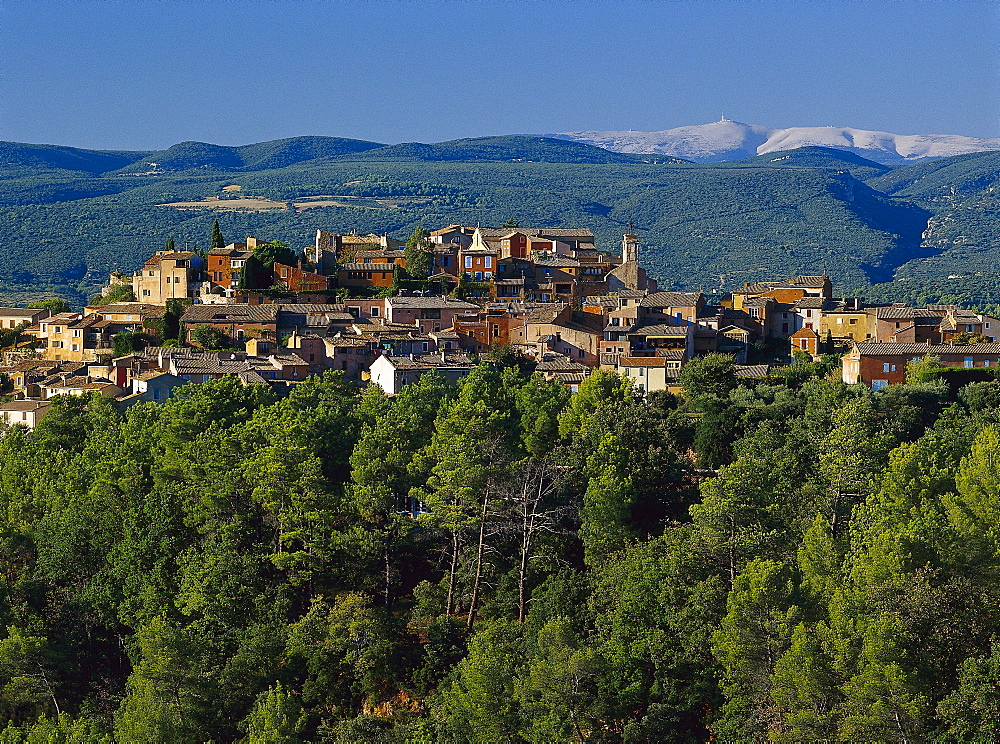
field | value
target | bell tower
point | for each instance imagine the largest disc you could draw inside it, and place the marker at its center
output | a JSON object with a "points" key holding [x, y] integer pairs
{"points": [[630, 245]]}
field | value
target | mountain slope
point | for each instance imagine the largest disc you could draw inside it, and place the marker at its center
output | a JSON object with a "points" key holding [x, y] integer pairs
{"points": [[261, 156], [733, 140], [18, 157], [500, 149]]}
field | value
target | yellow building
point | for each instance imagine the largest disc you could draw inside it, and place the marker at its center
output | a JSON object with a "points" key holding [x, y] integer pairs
{"points": [[69, 337], [167, 275], [845, 324]]}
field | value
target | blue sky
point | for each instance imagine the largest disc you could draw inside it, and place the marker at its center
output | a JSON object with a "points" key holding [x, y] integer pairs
{"points": [[144, 75]]}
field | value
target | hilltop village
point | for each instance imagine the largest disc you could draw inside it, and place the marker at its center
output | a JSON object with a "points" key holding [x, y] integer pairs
{"points": [[384, 311]]}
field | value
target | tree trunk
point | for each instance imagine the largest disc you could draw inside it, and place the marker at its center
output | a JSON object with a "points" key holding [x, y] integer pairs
{"points": [[479, 559], [451, 573]]}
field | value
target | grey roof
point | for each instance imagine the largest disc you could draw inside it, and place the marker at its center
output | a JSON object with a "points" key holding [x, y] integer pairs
{"points": [[753, 370], [558, 263], [24, 405], [433, 303], [310, 308], [897, 349], [238, 313], [431, 361], [537, 232], [660, 329], [919, 349], [671, 299], [810, 303], [20, 311]]}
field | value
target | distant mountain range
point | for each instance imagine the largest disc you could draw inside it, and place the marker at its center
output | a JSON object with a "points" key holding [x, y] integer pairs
{"points": [[732, 140]]}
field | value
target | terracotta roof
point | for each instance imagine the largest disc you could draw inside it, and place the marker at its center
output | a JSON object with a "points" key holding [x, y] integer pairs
{"points": [[368, 267]]}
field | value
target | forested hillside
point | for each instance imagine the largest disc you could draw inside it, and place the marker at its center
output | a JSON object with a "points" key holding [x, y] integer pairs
{"points": [[792, 560], [70, 216]]}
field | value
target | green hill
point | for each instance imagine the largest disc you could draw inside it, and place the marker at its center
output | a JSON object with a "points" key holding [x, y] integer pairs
{"points": [[814, 157], [511, 148], [708, 226], [19, 159]]}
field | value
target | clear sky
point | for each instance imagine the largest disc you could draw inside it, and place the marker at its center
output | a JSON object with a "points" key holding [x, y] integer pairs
{"points": [[144, 75]]}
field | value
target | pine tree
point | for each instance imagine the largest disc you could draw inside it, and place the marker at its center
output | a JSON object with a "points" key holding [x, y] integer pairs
{"points": [[217, 240]]}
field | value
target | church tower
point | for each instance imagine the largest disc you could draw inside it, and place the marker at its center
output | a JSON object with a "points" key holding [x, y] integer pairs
{"points": [[630, 245]]}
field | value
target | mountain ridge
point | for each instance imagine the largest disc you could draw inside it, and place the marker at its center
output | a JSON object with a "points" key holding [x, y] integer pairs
{"points": [[726, 140]]}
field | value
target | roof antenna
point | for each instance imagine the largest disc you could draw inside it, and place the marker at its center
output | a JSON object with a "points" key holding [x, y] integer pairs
{"points": [[723, 117]]}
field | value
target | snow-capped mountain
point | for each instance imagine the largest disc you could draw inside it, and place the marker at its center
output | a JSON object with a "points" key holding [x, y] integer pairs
{"points": [[733, 140]]}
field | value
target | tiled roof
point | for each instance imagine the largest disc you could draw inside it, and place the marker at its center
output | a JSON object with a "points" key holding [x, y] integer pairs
{"points": [[537, 232], [643, 361], [905, 313], [560, 365], [558, 263], [660, 329], [138, 308], [895, 349], [430, 303], [810, 303], [368, 267], [384, 253], [572, 378], [431, 361], [24, 405], [18, 312], [753, 370], [671, 299], [238, 313], [758, 302], [811, 281], [175, 255], [310, 308]]}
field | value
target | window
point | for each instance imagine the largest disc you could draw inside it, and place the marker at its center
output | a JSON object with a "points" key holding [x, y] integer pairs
{"points": [[423, 346], [152, 273], [146, 293], [879, 384], [489, 262], [854, 321], [374, 312], [547, 272], [468, 262], [156, 393], [76, 347], [446, 260], [969, 363], [76, 333], [885, 367], [642, 371], [581, 353], [840, 321]]}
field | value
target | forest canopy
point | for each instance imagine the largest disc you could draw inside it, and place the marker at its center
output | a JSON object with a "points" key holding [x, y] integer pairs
{"points": [[787, 560]]}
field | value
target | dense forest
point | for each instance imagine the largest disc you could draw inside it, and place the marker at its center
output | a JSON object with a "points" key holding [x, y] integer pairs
{"points": [[784, 560]]}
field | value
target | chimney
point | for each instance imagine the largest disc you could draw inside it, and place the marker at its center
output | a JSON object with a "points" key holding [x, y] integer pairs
{"points": [[443, 357]]}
